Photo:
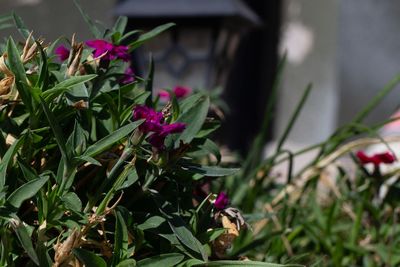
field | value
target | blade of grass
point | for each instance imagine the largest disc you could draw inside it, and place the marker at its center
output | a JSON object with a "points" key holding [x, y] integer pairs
{"points": [[294, 117]]}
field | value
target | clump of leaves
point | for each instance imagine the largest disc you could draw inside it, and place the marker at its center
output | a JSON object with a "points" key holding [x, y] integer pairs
{"points": [[91, 173]]}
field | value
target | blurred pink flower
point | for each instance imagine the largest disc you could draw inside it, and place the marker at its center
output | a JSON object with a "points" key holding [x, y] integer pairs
{"points": [[222, 201], [129, 76], [179, 91], [108, 51], [62, 52], [182, 91]]}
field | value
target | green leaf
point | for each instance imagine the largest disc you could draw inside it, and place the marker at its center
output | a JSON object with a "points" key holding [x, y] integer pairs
{"points": [[170, 259], [190, 263], [244, 263], [212, 171], [112, 138], [151, 223], [178, 226], [6, 17], [19, 23], [120, 239], [16, 66], [294, 117], [43, 255], [89, 159], [194, 119], [66, 85], [78, 138], [211, 235], [127, 263], [212, 148], [5, 161], [120, 24], [43, 75], [72, 201], [377, 99], [26, 191], [27, 171], [24, 238], [58, 133], [149, 35], [6, 26], [89, 258], [149, 83], [208, 128], [92, 26], [132, 177]]}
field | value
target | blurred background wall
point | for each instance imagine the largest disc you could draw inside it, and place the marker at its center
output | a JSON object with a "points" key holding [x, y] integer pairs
{"points": [[346, 49], [51, 18]]}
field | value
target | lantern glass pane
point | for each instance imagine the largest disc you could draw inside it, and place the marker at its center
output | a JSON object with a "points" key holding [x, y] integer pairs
{"points": [[184, 60]]}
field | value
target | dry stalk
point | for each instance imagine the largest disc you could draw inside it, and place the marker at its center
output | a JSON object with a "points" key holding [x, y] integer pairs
{"points": [[63, 251], [315, 170]]}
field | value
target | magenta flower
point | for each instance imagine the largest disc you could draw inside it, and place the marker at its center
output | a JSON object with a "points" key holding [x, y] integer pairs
{"points": [[121, 52], [108, 51], [157, 138], [129, 76], [153, 119], [222, 201], [155, 124], [376, 159], [179, 91], [62, 52], [164, 95]]}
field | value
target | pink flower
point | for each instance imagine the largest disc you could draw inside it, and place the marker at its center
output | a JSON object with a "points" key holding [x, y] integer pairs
{"points": [[376, 159], [121, 52], [158, 137], [62, 52], [108, 51], [222, 201], [179, 91], [154, 123], [153, 119], [164, 95], [129, 76]]}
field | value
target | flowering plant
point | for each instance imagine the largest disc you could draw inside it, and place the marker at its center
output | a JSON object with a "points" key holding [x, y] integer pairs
{"points": [[93, 172]]}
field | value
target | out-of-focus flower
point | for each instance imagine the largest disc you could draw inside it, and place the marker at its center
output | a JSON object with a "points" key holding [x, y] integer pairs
{"points": [[222, 201], [62, 52], [179, 91], [129, 76], [376, 159], [108, 51], [121, 52], [164, 95], [154, 123]]}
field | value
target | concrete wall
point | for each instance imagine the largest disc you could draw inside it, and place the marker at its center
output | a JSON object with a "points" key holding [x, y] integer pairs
{"points": [[53, 18], [310, 39], [369, 55]]}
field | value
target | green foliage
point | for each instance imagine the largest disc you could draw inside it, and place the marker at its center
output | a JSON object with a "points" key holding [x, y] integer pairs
{"points": [[81, 180]]}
